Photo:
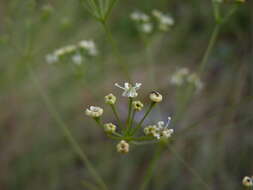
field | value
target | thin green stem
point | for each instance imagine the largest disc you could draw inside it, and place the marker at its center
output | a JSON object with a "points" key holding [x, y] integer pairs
{"points": [[115, 49], [77, 149], [211, 43], [109, 10], [98, 121], [192, 170], [151, 168], [144, 117], [129, 138], [116, 116], [131, 122], [129, 115]]}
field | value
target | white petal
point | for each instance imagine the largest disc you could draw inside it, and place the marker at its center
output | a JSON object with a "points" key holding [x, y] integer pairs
{"points": [[116, 84]]}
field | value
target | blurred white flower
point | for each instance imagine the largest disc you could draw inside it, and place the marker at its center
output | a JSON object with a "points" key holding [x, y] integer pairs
{"points": [[146, 28], [65, 50], [89, 46], [165, 22], [129, 90], [139, 16], [51, 58], [183, 76], [77, 59], [179, 76]]}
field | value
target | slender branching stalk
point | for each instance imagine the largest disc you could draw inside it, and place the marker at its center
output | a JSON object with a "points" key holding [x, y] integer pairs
{"points": [[55, 115], [139, 125], [116, 115], [129, 115], [192, 170], [151, 168], [115, 49]]}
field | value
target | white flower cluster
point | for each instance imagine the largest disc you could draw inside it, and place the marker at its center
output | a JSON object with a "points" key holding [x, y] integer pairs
{"points": [[165, 22], [183, 76], [146, 24], [127, 132], [77, 52], [160, 130]]}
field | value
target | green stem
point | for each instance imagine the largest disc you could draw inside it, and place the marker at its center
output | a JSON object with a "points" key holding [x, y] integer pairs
{"points": [[109, 10], [211, 43], [131, 122], [66, 131], [115, 49], [129, 115], [143, 138], [98, 121], [116, 116], [144, 117], [192, 170], [151, 168]]}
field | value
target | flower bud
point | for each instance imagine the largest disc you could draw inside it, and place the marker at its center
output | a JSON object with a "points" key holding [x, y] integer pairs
{"points": [[94, 111], [123, 147], [155, 97], [110, 99], [109, 128], [247, 181], [137, 105]]}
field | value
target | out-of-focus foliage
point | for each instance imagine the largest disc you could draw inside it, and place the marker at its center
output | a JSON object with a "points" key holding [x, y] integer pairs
{"points": [[215, 132]]}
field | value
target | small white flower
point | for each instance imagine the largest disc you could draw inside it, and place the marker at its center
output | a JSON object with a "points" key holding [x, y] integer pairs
{"points": [[139, 16], [129, 90], [146, 28], [164, 21], [195, 80], [77, 59], [65, 50], [160, 130], [94, 111], [90, 46], [51, 58]]}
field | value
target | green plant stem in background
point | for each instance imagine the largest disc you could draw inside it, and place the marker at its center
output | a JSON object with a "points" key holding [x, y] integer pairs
{"points": [[219, 22], [151, 168], [210, 46], [109, 10], [115, 49], [144, 117], [192, 170], [66, 131]]}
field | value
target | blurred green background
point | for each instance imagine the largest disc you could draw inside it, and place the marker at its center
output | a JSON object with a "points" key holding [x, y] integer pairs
{"points": [[216, 132]]}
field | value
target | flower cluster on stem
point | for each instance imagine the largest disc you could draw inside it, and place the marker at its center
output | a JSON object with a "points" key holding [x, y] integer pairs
{"points": [[128, 132], [76, 53]]}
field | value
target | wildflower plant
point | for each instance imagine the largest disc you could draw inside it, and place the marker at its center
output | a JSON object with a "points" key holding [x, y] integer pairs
{"points": [[148, 24], [77, 53], [128, 132], [183, 77]]}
